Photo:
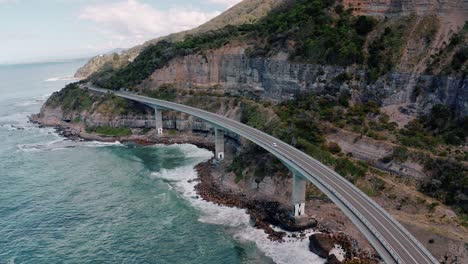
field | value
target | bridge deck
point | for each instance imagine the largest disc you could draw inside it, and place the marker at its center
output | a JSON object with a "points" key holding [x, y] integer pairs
{"points": [[391, 240]]}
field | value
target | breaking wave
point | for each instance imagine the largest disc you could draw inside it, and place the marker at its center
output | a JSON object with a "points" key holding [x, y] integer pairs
{"points": [[63, 143], [293, 250], [63, 78]]}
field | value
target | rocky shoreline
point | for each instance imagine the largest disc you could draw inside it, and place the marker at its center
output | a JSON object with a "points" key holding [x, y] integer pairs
{"points": [[265, 214]]}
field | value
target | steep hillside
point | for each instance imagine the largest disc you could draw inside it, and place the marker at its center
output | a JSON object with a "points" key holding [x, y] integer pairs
{"points": [[247, 11], [387, 60], [317, 48], [382, 99]]}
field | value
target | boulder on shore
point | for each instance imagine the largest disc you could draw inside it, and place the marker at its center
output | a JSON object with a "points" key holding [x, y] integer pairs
{"points": [[322, 243]]}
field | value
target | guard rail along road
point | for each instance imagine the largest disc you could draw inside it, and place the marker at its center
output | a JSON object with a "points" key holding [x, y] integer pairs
{"points": [[389, 238]]}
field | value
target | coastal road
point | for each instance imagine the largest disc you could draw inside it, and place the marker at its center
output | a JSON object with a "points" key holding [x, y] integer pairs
{"points": [[390, 239]]}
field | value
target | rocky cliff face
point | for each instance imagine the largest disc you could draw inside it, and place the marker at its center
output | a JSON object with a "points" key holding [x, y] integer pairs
{"points": [[231, 69], [104, 113], [406, 7]]}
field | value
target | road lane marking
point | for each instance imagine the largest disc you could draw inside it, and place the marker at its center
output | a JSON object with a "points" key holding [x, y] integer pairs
{"points": [[325, 172]]}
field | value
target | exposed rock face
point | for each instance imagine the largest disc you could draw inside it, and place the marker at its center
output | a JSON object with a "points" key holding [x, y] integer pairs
{"points": [[101, 114], [54, 116], [396, 89], [406, 7], [321, 244], [279, 79]]}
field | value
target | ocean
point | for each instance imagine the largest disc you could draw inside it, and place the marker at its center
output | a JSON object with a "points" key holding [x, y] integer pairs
{"points": [[65, 201]]}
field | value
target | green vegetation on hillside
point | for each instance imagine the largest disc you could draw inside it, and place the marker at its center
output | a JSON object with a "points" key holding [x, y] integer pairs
{"points": [[110, 131], [164, 92], [385, 50], [454, 58], [321, 34], [441, 125], [300, 123], [448, 182], [71, 98]]}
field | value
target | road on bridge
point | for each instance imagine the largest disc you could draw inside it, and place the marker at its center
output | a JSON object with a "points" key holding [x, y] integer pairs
{"points": [[391, 240]]}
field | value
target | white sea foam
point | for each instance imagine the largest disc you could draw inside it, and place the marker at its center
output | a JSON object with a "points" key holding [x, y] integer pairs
{"points": [[61, 144], [10, 127], [62, 78], [293, 250], [13, 119], [44, 146], [24, 126], [338, 251], [97, 143]]}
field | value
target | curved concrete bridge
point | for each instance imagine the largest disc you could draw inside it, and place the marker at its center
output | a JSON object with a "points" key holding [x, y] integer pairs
{"points": [[390, 239]]}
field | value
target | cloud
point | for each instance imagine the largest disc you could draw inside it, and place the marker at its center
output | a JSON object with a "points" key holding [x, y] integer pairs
{"points": [[129, 22]]}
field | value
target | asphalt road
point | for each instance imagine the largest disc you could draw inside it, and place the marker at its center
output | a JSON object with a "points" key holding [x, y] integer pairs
{"points": [[391, 240]]}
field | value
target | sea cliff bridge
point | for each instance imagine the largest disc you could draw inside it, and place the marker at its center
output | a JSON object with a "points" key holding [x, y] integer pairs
{"points": [[390, 239]]}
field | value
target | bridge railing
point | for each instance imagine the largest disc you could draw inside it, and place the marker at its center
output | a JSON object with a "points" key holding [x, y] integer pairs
{"points": [[356, 217]]}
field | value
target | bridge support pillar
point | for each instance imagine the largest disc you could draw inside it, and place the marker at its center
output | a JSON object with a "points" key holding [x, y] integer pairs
{"points": [[298, 196], [159, 123], [219, 144]]}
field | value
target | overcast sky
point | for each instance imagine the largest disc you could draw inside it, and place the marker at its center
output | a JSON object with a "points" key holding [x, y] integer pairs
{"points": [[47, 30]]}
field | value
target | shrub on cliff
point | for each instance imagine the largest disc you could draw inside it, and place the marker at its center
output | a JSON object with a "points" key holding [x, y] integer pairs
{"points": [[110, 131], [164, 92], [385, 50], [334, 148], [71, 98], [441, 125], [320, 34], [448, 182]]}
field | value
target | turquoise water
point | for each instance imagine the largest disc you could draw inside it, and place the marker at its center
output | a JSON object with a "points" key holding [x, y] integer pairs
{"points": [[64, 201]]}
